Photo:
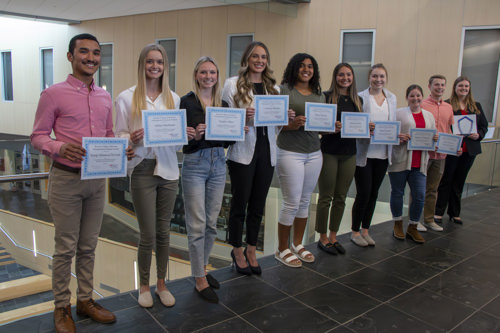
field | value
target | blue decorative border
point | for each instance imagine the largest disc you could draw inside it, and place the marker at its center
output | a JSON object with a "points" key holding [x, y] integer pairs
{"points": [[309, 127], [167, 113], [209, 135], [365, 135], [121, 172], [282, 122], [411, 146], [387, 142], [458, 138]]}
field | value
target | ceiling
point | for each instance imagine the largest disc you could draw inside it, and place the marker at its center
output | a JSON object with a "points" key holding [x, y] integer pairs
{"points": [[73, 11]]}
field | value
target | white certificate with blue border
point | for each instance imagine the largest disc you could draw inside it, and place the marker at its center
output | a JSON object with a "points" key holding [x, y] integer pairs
{"points": [[271, 110], [225, 124], [355, 125], [421, 139], [464, 125], [449, 143], [320, 117], [386, 132], [105, 158], [164, 127]]}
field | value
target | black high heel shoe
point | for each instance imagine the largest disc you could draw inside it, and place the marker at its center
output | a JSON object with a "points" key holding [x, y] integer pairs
{"points": [[242, 270], [255, 269]]}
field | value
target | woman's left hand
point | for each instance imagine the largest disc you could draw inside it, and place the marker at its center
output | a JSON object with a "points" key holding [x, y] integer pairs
{"points": [[371, 126], [291, 115], [130, 153], [338, 126], [190, 133], [403, 137], [459, 152], [473, 136]]}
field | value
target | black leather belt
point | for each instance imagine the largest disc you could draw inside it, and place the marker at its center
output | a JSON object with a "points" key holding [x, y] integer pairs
{"points": [[64, 167]]}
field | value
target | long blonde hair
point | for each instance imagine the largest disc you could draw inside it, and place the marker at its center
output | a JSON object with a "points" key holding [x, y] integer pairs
{"points": [[216, 89], [470, 103], [139, 97], [243, 84]]}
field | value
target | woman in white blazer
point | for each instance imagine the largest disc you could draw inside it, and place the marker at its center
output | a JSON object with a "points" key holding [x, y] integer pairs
{"points": [[409, 166]]}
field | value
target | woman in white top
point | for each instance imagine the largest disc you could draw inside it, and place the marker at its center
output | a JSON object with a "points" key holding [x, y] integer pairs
{"points": [[250, 162], [371, 159], [153, 172]]}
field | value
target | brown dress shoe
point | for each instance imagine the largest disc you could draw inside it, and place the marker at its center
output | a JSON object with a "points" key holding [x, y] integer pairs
{"points": [[95, 311], [413, 233], [398, 230], [63, 322]]}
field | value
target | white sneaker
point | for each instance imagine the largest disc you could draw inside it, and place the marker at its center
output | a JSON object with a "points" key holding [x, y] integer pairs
{"points": [[420, 227], [433, 226]]}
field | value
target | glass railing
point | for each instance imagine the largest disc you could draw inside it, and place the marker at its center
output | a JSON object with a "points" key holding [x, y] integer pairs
{"points": [[28, 196]]}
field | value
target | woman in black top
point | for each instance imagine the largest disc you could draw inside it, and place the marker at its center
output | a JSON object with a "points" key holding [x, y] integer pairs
{"points": [[457, 167], [203, 175], [339, 160]]}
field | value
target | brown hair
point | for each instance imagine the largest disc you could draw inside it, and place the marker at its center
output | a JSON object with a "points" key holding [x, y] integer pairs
{"points": [[437, 76], [334, 87], [470, 103]]}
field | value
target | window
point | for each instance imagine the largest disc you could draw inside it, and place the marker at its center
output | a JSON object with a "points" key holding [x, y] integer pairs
{"points": [[7, 89], [170, 46], [480, 63], [357, 49], [105, 73], [237, 45], [47, 70]]}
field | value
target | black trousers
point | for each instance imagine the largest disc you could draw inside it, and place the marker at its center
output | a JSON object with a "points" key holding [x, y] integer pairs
{"points": [[249, 187], [450, 189], [368, 180]]}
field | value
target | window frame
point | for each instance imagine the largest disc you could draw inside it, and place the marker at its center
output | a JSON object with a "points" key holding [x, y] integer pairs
{"points": [[176, 57], [460, 61], [2, 75], [97, 75], [228, 49], [341, 51], [42, 68]]}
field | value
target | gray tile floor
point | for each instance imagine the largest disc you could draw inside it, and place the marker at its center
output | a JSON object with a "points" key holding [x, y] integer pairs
{"points": [[449, 284]]}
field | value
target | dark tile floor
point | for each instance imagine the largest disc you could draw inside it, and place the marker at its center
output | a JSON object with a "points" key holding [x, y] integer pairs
{"points": [[449, 284]]}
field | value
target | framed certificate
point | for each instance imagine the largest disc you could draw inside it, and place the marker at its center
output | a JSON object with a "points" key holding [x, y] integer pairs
{"points": [[464, 125], [449, 143], [271, 110], [320, 117], [355, 125], [421, 139], [386, 132], [105, 158], [225, 124], [164, 127]]}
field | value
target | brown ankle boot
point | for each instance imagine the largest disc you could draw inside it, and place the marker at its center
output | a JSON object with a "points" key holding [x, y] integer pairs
{"points": [[398, 230], [413, 233]]}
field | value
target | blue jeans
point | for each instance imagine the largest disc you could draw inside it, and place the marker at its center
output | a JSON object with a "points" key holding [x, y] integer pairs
{"points": [[416, 180], [203, 181]]}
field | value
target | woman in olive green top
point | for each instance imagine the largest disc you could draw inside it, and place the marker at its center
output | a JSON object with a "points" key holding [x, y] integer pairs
{"points": [[299, 158]]}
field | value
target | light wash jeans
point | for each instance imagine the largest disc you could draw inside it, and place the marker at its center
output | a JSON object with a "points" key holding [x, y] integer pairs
{"points": [[203, 181], [298, 174], [416, 181]]}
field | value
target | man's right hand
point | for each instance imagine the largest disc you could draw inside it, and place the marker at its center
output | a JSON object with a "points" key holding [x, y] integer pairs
{"points": [[72, 152]]}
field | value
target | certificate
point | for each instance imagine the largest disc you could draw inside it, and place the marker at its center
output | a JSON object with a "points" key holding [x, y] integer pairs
{"points": [[225, 124], [464, 125], [164, 127], [320, 117], [355, 125], [449, 143], [386, 132], [421, 139], [271, 110], [105, 158]]}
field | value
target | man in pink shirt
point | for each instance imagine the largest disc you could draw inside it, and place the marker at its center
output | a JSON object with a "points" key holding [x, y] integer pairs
{"points": [[74, 109], [443, 113]]}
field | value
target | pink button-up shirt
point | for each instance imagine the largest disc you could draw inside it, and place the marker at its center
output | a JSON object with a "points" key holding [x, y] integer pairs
{"points": [[443, 113], [72, 112]]}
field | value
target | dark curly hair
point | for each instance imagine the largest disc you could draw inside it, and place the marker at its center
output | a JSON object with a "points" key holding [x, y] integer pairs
{"points": [[292, 71]]}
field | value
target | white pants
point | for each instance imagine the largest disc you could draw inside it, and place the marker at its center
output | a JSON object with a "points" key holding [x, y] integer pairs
{"points": [[298, 174]]}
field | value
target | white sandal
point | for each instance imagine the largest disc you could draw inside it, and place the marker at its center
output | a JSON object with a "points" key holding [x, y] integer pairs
{"points": [[280, 256], [302, 255]]}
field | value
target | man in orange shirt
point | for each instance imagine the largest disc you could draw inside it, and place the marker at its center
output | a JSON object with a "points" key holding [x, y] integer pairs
{"points": [[443, 113]]}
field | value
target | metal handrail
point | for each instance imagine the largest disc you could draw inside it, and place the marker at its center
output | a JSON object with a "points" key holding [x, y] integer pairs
{"points": [[23, 177]]}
